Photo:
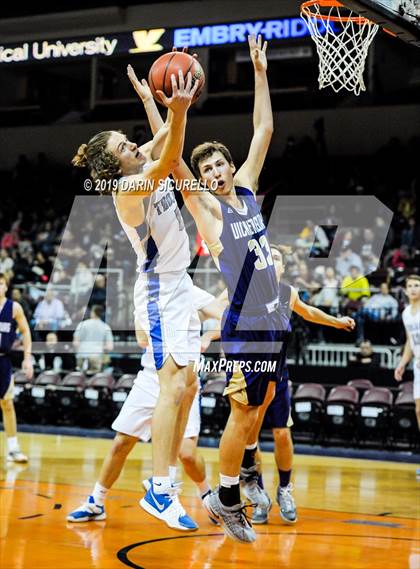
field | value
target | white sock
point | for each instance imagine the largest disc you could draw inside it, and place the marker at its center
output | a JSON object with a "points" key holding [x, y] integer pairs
{"points": [[251, 447], [161, 484], [172, 474], [228, 481], [99, 494], [12, 444], [203, 487]]}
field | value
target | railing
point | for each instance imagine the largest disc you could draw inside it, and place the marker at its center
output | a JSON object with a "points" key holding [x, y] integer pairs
{"points": [[337, 355]]}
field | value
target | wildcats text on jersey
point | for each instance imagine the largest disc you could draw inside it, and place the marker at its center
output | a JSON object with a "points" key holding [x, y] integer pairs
{"points": [[247, 227]]}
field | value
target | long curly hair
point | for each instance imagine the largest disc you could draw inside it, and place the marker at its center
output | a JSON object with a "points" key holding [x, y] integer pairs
{"points": [[102, 164]]}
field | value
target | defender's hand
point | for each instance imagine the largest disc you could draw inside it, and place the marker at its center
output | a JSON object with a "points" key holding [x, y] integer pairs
{"points": [[258, 53], [141, 87]]}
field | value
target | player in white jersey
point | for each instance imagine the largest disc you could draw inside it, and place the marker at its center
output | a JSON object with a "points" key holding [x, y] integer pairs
{"points": [[411, 320], [133, 423], [162, 295]]}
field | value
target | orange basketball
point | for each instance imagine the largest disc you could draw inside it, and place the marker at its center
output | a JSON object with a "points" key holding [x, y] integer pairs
{"points": [[170, 63]]}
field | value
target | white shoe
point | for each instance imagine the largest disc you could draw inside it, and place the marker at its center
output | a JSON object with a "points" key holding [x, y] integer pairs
{"points": [[16, 456], [168, 508]]}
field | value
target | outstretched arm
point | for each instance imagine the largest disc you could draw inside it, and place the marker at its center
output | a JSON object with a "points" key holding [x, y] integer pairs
{"points": [[250, 171], [317, 316]]}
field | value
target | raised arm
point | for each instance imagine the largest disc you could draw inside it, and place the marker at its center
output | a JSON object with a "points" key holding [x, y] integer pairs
{"points": [[250, 171], [202, 206]]}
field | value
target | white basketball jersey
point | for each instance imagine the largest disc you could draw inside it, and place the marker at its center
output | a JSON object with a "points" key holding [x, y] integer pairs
{"points": [[412, 325], [160, 242]]}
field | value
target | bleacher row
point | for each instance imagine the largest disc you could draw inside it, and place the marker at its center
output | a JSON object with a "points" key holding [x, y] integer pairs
{"points": [[357, 414]]}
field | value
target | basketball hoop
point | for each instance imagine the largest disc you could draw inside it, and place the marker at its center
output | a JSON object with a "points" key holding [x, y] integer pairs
{"points": [[342, 40]]}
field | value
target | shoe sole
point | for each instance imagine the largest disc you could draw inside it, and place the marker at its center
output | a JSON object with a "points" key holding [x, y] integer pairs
{"points": [[98, 518], [286, 521], [150, 510]]}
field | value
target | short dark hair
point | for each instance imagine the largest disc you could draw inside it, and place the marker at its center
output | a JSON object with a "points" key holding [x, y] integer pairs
{"points": [[205, 150], [98, 310]]}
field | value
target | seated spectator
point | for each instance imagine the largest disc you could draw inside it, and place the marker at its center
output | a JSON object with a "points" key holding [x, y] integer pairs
{"points": [[81, 282], [6, 262], [99, 291], [50, 313], [313, 239], [365, 357], [381, 307], [354, 286], [91, 339], [328, 297], [17, 296], [304, 282], [347, 259], [58, 357], [410, 234]]}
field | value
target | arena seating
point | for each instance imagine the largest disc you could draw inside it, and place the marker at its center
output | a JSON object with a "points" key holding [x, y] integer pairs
{"points": [[374, 416], [121, 391], [404, 421], [214, 407], [340, 413], [308, 409]]}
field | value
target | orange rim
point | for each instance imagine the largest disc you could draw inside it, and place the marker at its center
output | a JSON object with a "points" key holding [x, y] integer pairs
{"points": [[305, 8]]}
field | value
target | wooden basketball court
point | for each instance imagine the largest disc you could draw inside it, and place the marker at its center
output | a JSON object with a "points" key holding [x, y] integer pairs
{"points": [[352, 514]]}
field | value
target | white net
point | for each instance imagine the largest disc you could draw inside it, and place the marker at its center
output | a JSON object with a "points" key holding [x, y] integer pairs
{"points": [[342, 41]]}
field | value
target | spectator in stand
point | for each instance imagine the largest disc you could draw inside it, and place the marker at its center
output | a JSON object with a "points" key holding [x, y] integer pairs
{"points": [[6, 263], [354, 286], [17, 296], [400, 258], [50, 313], [410, 235], [313, 239], [58, 357], [81, 282], [91, 339], [328, 298], [99, 291], [347, 259], [381, 307], [10, 239], [365, 357], [304, 282], [367, 244]]}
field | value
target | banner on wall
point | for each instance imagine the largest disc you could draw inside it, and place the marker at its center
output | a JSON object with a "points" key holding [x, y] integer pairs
{"points": [[152, 40]]}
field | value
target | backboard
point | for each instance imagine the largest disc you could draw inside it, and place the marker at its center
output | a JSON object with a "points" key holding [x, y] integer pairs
{"points": [[398, 17]]}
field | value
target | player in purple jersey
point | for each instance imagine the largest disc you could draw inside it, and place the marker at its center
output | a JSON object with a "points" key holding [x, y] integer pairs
{"points": [[276, 414], [11, 317]]}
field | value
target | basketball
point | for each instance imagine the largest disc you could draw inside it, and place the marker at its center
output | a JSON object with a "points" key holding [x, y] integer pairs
{"points": [[170, 63]]}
